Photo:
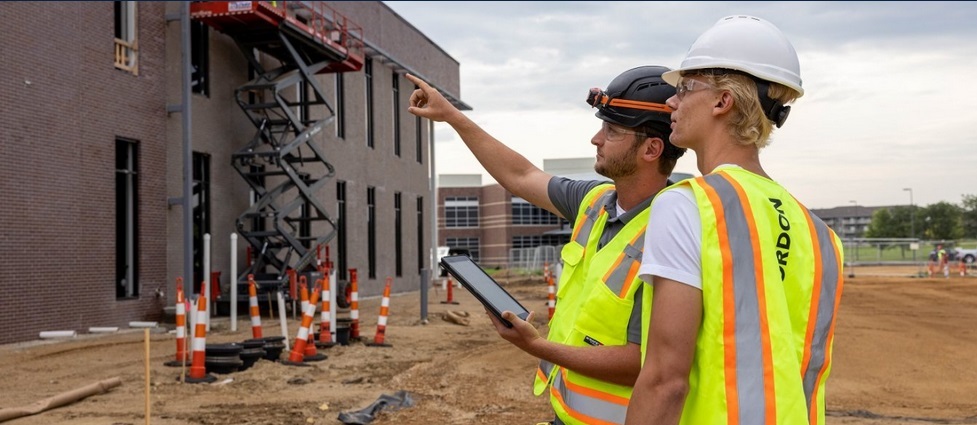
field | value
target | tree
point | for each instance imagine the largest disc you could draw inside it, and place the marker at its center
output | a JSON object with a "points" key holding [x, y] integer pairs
{"points": [[894, 222], [968, 216], [941, 221]]}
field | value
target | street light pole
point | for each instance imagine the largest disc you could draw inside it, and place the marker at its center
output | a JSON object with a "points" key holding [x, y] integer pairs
{"points": [[912, 212], [912, 223]]}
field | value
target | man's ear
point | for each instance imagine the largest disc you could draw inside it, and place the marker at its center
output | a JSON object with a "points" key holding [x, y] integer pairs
{"points": [[653, 148], [724, 103]]}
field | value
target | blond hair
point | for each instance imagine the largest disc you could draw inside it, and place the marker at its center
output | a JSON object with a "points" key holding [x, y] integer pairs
{"points": [[748, 124]]}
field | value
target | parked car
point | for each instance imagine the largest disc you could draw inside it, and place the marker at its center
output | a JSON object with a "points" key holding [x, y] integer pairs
{"points": [[967, 255]]}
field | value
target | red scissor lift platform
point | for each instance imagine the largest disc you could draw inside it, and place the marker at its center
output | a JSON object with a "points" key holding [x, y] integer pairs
{"points": [[324, 34]]}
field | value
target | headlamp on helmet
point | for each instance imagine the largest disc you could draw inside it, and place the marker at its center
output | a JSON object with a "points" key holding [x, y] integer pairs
{"points": [[599, 99]]}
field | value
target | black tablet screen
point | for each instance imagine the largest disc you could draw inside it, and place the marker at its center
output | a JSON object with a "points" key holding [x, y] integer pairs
{"points": [[468, 272]]}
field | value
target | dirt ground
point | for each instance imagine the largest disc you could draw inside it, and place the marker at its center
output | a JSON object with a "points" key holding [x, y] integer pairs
{"points": [[905, 353]]}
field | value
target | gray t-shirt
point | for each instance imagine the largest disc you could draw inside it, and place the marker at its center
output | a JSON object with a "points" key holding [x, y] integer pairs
{"points": [[566, 195]]}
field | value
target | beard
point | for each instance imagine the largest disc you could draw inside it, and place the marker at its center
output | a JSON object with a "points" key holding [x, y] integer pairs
{"points": [[620, 166]]}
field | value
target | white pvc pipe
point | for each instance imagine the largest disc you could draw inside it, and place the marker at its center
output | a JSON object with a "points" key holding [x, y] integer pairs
{"points": [[142, 324], [57, 334], [281, 318], [103, 330], [233, 278], [192, 315], [210, 300], [333, 308]]}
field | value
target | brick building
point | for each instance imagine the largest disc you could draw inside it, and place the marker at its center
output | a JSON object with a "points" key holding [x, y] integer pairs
{"points": [[93, 218], [499, 229]]}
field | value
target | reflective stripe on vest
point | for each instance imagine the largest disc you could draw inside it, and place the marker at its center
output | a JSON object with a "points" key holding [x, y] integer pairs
{"points": [[620, 277], [828, 285], [586, 404], [581, 230], [544, 369], [751, 396]]}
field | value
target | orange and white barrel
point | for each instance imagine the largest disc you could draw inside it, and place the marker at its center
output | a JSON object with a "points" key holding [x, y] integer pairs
{"points": [[253, 307]]}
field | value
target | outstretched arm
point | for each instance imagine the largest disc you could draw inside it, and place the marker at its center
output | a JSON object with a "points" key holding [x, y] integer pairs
{"points": [[619, 364], [512, 170]]}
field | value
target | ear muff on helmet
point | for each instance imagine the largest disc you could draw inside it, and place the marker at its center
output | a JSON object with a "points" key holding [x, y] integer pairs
{"points": [[774, 110]]}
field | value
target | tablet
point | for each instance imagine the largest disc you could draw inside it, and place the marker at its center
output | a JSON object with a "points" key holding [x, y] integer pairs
{"points": [[482, 286]]}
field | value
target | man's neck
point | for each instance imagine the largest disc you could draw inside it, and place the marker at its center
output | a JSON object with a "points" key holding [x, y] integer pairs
{"points": [[635, 189]]}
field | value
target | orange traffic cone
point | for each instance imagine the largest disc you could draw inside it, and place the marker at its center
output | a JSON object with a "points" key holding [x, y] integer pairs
{"points": [[297, 356], [254, 310], [451, 294], [181, 327], [382, 320], [198, 370], [311, 355], [354, 307]]}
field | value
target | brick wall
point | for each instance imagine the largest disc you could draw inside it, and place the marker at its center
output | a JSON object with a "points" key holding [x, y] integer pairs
{"points": [[63, 105]]}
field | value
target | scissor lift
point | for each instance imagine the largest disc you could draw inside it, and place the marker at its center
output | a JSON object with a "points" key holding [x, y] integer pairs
{"points": [[281, 163]]}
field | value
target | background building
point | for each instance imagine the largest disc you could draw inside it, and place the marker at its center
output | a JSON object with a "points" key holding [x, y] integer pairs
{"points": [[93, 218], [502, 230], [849, 221]]}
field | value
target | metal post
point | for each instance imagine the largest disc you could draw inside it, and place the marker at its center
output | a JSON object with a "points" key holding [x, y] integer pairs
{"points": [[206, 283], [187, 145], [233, 279], [432, 258], [425, 278], [912, 218]]}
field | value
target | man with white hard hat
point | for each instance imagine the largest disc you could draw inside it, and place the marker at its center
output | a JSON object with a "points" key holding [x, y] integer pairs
{"points": [[746, 280]]}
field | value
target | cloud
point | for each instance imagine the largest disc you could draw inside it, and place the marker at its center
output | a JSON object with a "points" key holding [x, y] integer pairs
{"points": [[887, 85]]}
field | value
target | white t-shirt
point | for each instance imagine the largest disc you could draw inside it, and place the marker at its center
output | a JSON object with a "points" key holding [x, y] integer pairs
{"points": [[673, 240]]}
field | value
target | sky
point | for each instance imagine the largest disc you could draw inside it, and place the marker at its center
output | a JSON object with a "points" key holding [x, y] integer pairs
{"points": [[887, 86]]}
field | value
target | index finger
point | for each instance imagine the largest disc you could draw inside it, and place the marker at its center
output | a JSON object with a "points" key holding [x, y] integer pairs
{"points": [[420, 83]]}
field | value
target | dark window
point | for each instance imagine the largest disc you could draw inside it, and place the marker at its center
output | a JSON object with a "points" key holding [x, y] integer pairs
{"points": [[341, 229], [368, 72], [200, 202], [396, 99], [126, 219], [340, 107], [199, 58], [398, 240], [420, 233], [461, 211], [524, 213], [371, 231], [470, 244]]}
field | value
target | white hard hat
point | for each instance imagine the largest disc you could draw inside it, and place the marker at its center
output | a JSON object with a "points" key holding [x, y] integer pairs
{"points": [[744, 43]]}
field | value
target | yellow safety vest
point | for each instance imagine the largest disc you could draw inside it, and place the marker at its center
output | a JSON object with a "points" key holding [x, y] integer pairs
{"points": [[594, 302], [772, 279]]}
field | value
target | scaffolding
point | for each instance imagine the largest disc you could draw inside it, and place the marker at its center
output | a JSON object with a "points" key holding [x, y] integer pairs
{"points": [[280, 163]]}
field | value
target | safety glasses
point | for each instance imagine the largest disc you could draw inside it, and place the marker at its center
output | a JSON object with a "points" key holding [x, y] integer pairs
{"points": [[688, 85], [616, 133]]}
